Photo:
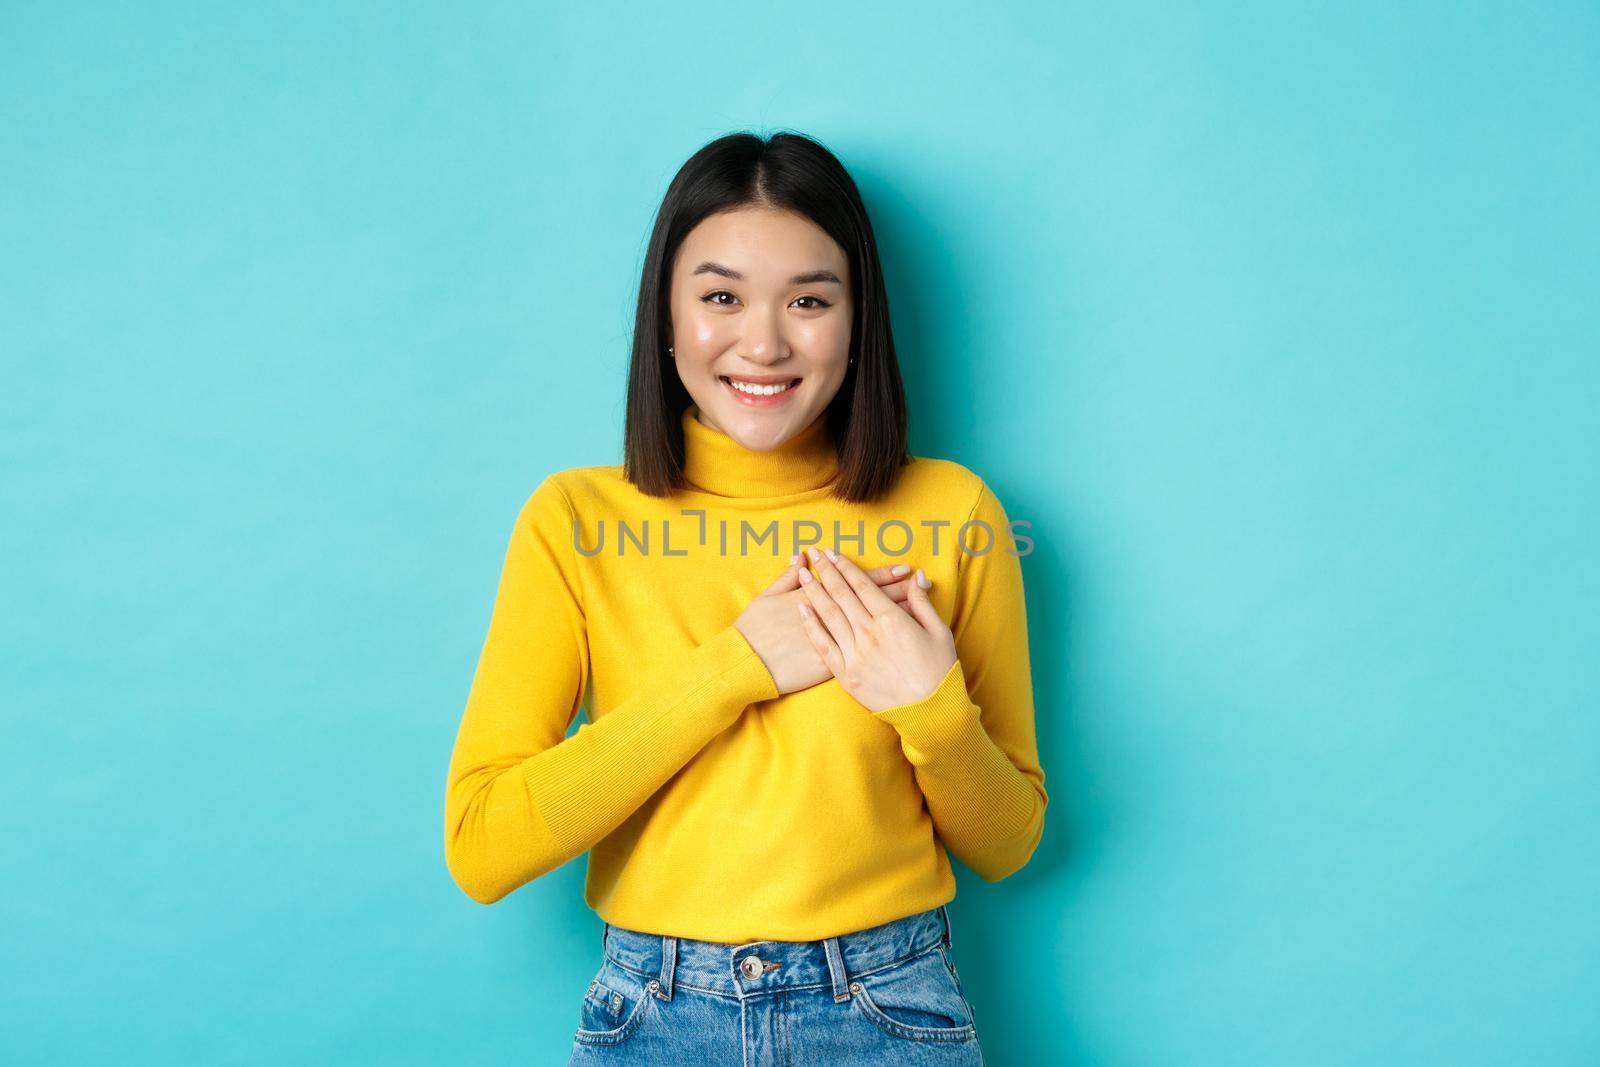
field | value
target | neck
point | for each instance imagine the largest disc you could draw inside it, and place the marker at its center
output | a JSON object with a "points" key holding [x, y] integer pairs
{"points": [[716, 463]]}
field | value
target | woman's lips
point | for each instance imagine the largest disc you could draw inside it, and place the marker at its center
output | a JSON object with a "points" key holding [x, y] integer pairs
{"points": [[755, 401]]}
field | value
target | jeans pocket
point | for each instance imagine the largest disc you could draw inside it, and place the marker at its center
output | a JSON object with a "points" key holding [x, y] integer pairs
{"points": [[917, 999], [614, 1006]]}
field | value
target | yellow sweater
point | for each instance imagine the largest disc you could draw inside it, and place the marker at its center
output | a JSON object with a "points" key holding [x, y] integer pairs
{"points": [[710, 806]]}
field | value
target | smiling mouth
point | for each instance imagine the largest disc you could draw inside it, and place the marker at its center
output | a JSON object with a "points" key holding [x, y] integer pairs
{"points": [[752, 389]]}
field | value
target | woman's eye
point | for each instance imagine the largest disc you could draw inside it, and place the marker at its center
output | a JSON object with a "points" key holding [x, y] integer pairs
{"points": [[711, 298]]}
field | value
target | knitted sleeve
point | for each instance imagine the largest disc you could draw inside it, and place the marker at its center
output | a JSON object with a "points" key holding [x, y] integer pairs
{"points": [[971, 741], [521, 798]]}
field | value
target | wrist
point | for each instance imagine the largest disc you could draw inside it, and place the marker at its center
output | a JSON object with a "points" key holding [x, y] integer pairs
{"points": [[922, 694]]}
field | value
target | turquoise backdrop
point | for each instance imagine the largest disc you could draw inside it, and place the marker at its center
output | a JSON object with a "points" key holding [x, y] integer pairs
{"points": [[1278, 322]]}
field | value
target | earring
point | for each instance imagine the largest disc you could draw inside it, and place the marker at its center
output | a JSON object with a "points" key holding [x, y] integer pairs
{"points": [[669, 351]]}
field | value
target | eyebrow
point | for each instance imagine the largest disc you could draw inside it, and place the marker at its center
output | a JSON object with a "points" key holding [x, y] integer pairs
{"points": [[710, 267]]}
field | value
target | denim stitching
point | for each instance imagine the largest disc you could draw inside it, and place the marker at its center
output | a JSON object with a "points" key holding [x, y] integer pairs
{"points": [[915, 955]]}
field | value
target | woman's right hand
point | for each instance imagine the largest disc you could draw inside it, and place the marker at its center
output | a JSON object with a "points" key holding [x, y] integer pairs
{"points": [[773, 626]]}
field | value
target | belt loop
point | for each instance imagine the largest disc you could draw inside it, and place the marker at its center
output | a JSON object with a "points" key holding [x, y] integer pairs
{"points": [[669, 964], [841, 979], [944, 917]]}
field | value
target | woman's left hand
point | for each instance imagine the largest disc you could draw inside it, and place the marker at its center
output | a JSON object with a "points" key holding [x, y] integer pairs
{"points": [[883, 654]]}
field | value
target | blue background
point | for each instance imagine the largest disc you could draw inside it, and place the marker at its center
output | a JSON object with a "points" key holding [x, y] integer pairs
{"points": [[1280, 327]]}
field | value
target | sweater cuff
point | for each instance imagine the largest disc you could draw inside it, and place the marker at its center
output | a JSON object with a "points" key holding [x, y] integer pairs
{"points": [[661, 727], [940, 724], [746, 669]]}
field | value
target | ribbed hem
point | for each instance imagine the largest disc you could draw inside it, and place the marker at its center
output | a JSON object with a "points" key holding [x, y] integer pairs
{"points": [[658, 730], [746, 671], [943, 737], [940, 723]]}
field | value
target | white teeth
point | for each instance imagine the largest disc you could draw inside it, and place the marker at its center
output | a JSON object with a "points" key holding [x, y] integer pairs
{"points": [[760, 390]]}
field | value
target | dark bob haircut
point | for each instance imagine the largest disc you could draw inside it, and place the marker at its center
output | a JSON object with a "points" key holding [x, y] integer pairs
{"points": [[790, 171]]}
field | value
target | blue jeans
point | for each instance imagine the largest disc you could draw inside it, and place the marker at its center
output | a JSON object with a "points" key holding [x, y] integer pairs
{"points": [[887, 995]]}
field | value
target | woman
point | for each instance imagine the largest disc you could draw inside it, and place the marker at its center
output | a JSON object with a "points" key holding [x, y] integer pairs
{"points": [[775, 763]]}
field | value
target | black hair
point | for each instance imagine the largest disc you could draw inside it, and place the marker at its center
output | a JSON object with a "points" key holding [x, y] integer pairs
{"points": [[793, 172]]}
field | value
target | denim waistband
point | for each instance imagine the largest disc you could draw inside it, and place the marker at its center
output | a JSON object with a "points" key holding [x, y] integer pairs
{"points": [[764, 966]]}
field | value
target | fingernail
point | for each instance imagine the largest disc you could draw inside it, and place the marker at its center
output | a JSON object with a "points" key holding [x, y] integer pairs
{"points": [[794, 559], [805, 576], [833, 555], [898, 569], [922, 579], [814, 554]]}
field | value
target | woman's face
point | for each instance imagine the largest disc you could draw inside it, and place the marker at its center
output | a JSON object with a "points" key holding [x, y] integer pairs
{"points": [[760, 296]]}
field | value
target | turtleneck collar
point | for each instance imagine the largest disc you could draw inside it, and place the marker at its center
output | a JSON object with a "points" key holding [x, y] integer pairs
{"points": [[716, 463]]}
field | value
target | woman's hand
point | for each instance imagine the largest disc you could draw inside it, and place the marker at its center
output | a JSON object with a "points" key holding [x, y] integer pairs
{"points": [[773, 626], [883, 654]]}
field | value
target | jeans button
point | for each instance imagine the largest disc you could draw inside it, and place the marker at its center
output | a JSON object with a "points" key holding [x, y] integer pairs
{"points": [[751, 966]]}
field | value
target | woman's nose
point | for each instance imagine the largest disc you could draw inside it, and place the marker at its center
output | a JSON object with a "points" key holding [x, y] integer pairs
{"points": [[763, 343]]}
